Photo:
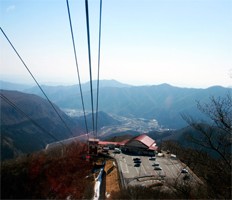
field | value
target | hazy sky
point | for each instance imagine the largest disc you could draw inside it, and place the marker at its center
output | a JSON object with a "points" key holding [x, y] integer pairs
{"points": [[185, 43]]}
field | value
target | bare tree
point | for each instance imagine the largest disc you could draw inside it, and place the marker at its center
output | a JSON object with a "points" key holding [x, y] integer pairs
{"points": [[216, 136]]}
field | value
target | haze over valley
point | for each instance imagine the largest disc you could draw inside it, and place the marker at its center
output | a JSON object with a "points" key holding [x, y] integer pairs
{"points": [[123, 110], [44, 145]]}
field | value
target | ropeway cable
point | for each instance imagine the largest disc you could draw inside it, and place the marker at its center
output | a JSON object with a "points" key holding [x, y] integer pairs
{"points": [[98, 73], [37, 82], [89, 56], [78, 73], [28, 117]]}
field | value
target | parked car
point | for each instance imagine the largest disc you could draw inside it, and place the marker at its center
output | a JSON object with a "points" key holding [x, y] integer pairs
{"points": [[155, 164], [160, 155], [106, 148], [136, 159], [184, 171], [117, 150], [137, 165], [152, 158], [158, 168], [173, 156], [111, 147]]}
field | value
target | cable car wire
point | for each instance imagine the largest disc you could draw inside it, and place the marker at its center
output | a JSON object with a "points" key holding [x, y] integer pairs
{"points": [[89, 56], [98, 72], [28, 117], [78, 73], [36, 82]]}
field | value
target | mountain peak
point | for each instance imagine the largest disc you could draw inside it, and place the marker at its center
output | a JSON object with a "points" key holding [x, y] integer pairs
{"points": [[109, 83]]}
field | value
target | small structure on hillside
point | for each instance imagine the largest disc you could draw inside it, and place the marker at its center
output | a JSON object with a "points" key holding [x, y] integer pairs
{"points": [[93, 146]]}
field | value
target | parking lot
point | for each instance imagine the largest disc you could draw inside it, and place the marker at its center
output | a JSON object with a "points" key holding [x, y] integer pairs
{"points": [[142, 170]]}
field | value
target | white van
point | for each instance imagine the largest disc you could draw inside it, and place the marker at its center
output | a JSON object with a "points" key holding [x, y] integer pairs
{"points": [[117, 150]]}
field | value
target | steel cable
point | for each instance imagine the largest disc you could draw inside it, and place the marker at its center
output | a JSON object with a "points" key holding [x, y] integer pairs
{"points": [[37, 82]]}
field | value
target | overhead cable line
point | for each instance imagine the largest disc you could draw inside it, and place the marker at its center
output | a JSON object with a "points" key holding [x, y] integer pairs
{"points": [[78, 73], [89, 55], [37, 82], [99, 57], [28, 117]]}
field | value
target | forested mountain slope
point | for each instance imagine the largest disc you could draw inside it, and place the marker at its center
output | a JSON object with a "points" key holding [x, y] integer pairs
{"points": [[20, 135]]}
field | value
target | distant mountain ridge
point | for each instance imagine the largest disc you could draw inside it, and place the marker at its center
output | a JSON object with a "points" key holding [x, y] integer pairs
{"points": [[163, 102], [13, 86], [85, 86]]}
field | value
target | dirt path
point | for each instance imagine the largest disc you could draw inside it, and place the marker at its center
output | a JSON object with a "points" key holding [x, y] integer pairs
{"points": [[111, 178]]}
